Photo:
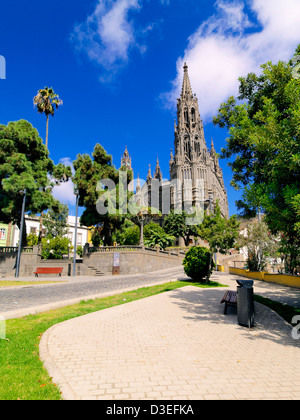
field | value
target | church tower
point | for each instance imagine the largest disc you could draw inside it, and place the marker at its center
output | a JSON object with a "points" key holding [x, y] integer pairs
{"points": [[194, 168], [126, 160]]}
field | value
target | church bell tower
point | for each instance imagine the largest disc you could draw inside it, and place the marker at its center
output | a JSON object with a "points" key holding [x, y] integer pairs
{"points": [[193, 166]]}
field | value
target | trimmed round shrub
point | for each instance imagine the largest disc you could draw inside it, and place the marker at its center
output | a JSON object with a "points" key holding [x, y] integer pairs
{"points": [[198, 264]]}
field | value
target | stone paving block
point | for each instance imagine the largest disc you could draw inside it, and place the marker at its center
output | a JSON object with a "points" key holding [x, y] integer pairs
{"points": [[178, 345]]}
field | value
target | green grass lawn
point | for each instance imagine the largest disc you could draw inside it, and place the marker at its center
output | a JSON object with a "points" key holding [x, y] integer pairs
{"points": [[23, 376], [287, 312]]}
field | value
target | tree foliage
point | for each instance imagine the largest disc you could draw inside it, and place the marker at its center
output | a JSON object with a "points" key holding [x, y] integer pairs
{"points": [[177, 224], [56, 220], [159, 238], [221, 233], [90, 173], [260, 244], [55, 248], [127, 234], [264, 145], [198, 264], [47, 101], [25, 164]]}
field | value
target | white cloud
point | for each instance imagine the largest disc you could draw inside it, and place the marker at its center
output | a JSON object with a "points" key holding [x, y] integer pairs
{"points": [[220, 50], [65, 191], [108, 34]]}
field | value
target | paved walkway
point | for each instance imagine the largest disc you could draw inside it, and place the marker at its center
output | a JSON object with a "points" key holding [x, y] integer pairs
{"points": [[177, 345]]}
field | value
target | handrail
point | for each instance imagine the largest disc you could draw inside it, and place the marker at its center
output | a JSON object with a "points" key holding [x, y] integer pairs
{"points": [[13, 249], [131, 248]]}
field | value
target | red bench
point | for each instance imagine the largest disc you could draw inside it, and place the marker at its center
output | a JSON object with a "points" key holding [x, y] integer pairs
{"points": [[48, 270], [229, 299]]}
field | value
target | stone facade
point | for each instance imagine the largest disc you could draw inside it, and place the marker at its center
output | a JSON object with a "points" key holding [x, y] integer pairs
{"points": [[196, 179]]}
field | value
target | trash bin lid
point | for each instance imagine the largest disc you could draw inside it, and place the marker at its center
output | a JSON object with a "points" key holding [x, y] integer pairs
{"points": [[245, 283]]}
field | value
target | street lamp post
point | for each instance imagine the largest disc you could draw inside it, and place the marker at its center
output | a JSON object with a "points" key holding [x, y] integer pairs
{"points": [[21, 234], [75, 239]]}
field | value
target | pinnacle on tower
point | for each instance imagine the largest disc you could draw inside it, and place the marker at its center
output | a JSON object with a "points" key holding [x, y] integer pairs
{"points": [[149, 172], [212, 148], [158, 174], [126, 160], [186, 85]]}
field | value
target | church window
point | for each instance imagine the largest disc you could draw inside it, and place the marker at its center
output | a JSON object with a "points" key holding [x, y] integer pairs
{"points": [[185, 116], [193, 114]]}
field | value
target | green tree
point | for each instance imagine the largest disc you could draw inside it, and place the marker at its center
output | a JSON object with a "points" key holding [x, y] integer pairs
{"points": [[100, 193], [56, 220], [47, 101], [221, 233], [131, 235], [177, 224], [25, 164], [264, 148], [127, 234], [55, 248], [260, 244]]}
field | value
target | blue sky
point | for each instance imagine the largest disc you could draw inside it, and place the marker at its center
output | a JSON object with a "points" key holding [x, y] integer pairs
{"points": [[117, 66]]}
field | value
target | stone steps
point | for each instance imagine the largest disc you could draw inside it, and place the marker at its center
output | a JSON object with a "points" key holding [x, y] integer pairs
{"points": [[96, 271]]}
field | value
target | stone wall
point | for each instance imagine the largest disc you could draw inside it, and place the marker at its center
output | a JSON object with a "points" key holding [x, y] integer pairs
{"points": [[7, 263], [133, 260]]}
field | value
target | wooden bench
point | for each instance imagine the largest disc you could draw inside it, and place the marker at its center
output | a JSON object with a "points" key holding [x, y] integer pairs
{"points": [[229, 299], [48, 270]]}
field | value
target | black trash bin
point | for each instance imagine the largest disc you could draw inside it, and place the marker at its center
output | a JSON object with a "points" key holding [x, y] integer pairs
{"points": [[245, 303]]}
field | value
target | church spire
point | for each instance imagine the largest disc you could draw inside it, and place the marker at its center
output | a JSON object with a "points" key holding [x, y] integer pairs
{"points": [[149, 173], [212, 149], [186, 85], [126, 160], [158, 174]]}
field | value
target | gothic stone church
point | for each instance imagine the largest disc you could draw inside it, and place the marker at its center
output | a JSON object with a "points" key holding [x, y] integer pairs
{"points": [[196, 179]]}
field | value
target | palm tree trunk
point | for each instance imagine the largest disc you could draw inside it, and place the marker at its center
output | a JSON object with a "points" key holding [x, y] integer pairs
{"points": [[47, 131]]}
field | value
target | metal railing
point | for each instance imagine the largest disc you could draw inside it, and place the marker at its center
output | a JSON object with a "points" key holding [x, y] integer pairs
{"points": [[14, 249], [131, 248]]}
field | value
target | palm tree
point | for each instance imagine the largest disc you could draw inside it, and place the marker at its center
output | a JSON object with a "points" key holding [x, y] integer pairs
{"points": [[47, 101]]}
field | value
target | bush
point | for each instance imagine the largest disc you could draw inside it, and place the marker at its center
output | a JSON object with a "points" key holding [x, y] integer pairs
{"points": [[131, 236], [55, 248], [198, 264], [79, 251], [32, 239], [163, 240], [152, 227]]}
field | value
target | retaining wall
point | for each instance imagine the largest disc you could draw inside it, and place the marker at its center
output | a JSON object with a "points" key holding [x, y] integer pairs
{"points": [[133, 260], [284, 279]]}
